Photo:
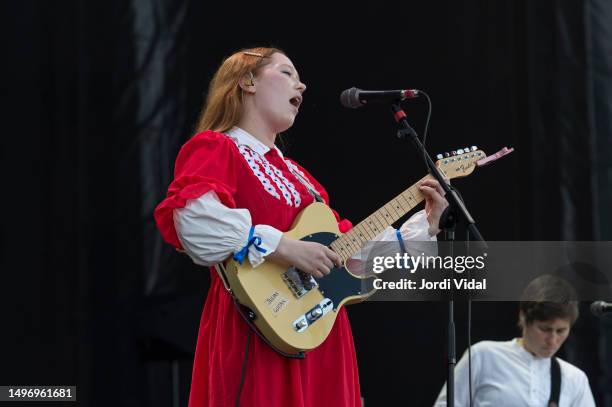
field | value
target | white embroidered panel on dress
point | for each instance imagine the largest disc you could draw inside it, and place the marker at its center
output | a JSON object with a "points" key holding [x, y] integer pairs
{"points": [[246, 153], [256, 162], [280, 180]]}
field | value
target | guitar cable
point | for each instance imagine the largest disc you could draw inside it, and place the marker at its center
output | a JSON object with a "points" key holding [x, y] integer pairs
{"points": [[244, 365], [248, 315]]}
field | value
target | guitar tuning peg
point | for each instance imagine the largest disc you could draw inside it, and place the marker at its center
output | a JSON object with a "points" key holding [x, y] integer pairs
{"points": [[467, 149], [460, 151], [474, 148], [439, 156], [446, 155], [454, 152]]}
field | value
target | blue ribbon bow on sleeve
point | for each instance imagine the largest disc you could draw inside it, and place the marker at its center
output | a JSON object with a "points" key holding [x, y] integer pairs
{"points": [[252, 240]]}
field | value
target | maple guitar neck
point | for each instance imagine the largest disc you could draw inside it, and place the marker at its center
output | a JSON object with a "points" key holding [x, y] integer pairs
{"points": [[350, 243], [456, 166]]}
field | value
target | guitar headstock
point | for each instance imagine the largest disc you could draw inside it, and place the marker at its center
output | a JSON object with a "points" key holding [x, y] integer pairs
{"points": [[459, 163]]}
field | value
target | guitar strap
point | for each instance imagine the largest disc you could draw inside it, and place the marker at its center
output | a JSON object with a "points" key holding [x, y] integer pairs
{"points": [[307, 184], [555, 382]]}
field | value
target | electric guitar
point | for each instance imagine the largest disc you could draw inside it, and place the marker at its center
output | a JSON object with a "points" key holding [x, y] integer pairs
{"points": [[294, 311]]}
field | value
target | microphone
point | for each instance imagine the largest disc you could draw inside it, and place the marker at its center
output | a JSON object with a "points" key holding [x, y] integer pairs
{"points": [[600, 308], [354, 97]]}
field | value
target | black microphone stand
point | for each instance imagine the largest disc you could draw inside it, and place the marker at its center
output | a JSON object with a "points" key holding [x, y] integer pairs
{"points": [[455, 211]]}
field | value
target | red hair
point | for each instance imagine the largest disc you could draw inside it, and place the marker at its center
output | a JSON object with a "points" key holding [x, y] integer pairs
{"points": [[223, 107]]}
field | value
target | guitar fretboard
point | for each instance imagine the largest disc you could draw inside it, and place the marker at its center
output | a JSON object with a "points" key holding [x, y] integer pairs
{"points": [[370, 227]]}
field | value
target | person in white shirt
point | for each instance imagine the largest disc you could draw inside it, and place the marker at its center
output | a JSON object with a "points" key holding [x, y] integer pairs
{"points": [[518, 372]]}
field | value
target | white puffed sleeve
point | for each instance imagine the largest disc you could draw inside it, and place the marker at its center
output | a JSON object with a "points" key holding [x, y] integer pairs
{"points": [[210, 232]]}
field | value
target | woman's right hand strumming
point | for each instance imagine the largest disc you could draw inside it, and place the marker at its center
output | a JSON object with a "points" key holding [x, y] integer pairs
{"points": [[310, 257]]}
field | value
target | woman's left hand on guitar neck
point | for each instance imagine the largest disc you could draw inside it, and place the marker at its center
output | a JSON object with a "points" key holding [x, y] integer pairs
{"points": [[435, 203]]}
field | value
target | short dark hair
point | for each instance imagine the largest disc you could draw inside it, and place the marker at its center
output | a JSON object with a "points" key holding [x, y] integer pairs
{"points": [[548, 297]]}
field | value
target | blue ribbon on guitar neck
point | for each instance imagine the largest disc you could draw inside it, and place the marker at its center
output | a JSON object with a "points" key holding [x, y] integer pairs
{"points": [[251, 241]]}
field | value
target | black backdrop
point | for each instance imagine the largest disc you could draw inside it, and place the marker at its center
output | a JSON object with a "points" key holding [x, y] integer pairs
{"points": [[99, 96]]}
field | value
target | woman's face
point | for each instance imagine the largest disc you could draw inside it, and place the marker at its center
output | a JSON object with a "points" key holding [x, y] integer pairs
{"points": [[278, 93], [544, 338]]}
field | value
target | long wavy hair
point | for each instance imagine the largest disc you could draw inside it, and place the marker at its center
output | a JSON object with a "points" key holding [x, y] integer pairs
{"points": [[223, 107]]}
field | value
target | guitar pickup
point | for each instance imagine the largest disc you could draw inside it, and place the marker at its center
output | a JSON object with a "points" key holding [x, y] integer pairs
{"points": [[299, 283]]}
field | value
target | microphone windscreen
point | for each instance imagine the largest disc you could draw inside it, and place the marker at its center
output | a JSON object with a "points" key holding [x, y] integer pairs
{"points": [[601, 308], [350, 98]]}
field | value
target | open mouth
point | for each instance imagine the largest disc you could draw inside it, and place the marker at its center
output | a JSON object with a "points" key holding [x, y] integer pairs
{"points": [[296, 101]]}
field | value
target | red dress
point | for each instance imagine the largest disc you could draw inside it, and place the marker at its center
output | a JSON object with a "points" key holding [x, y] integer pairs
{"points": [[328, 375]]}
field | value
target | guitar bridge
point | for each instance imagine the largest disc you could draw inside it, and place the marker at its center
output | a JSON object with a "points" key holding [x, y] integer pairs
{"points": [[299, 283]]}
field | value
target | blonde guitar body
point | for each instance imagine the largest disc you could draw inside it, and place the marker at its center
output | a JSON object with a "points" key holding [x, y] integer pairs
{"points": [[292, 310], [279, 306]]}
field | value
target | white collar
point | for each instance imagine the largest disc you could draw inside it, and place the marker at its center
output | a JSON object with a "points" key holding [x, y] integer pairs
{"points": [[520, 349], [245, 138]]}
